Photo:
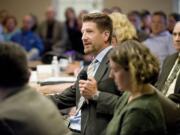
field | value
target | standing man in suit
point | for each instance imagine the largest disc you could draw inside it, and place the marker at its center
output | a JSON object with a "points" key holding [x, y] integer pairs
{"points": [[99, 91], [169, 79]]}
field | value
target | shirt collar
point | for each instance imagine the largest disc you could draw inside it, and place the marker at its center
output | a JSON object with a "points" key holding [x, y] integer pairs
{"points": [[101, 55]]}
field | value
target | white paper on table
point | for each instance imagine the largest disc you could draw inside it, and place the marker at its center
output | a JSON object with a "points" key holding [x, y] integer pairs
{"points": [[54, 80]]}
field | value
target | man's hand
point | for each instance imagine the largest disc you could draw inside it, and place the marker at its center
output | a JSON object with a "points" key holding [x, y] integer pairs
{"points": [[88, 88]]}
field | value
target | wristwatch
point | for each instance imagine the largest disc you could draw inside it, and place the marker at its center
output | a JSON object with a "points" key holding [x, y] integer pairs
{"points": [[96, 96]]}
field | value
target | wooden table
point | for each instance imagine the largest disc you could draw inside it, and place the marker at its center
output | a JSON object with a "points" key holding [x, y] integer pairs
{"points": [[52, 89], [33, 64]]}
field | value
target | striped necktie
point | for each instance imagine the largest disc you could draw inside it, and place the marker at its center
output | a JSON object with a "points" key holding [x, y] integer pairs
{"points": [[91, 68], [171, 77]]}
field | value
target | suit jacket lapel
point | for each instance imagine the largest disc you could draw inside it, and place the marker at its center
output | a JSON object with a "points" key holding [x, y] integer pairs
{"points": [[168, 67], [177, 87], [102, 67]]}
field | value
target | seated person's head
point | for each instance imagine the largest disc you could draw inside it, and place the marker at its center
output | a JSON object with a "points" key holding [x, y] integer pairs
{"points": [[10, 23], [14, 67], [27, 23], [122, 28], [132, 64], [50, 14], [135, 18], [159, 22]]}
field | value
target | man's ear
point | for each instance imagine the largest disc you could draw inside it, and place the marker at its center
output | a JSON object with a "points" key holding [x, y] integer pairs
{"points": [[106, 35]]}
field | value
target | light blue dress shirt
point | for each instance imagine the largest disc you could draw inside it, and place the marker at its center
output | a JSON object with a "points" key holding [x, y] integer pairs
{"points": [[160, 45]]}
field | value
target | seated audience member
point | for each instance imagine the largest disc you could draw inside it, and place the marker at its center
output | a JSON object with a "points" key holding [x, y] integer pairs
{"points": [[23, 110], [35, 22], [28, 39], [10, 29], [74, 33], [173, 18], [160, 41], [135, 18], [138, 111], [146, 21], [3, 14], [54, 34], [169, 79], [122, 28], [90, 95]]}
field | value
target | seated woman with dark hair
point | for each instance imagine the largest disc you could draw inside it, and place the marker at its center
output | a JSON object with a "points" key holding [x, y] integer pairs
{"points": [[139, 110]]}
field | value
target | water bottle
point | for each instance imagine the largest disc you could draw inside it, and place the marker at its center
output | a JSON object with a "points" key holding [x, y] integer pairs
{"points": [[55, 66]]}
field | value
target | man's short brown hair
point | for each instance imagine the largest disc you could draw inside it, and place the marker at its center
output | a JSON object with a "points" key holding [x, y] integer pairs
{"points": [[102, 21]]}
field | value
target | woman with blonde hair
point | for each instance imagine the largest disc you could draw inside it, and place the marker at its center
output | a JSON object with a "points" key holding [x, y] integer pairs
{"points": [[122, 28], [138, 111]]}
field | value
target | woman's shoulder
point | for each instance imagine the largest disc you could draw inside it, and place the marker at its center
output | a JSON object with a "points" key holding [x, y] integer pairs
{"points": [[149, 102]]}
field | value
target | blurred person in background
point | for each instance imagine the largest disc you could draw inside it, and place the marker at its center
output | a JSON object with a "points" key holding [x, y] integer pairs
{"points": [[30, 41], [74, 33], [10, 27], [160, 41], [23, 110], [172, 19], [135, 18], [80, 17], [1, 33], [146, 21], [3, 14], [122, 28], [85, 59], [54, 35]]}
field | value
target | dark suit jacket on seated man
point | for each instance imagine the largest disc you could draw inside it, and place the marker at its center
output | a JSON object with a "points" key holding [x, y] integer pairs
{"points": [[24, 111], [53, 34], [99, 90], [168, 83], [169, 79]]}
